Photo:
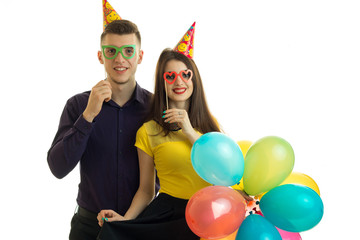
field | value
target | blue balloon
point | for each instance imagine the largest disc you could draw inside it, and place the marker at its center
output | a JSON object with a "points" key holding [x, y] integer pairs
{"points": [[218, 159], [256, 227], [293, 208]]}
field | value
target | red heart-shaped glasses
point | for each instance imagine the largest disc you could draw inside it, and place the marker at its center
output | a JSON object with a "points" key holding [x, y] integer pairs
{"points": [[185, 75]]}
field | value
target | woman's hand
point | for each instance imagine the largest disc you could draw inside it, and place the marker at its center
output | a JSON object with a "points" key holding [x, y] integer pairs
{"points": [[181, 118], [178, 116], [108, 216]]}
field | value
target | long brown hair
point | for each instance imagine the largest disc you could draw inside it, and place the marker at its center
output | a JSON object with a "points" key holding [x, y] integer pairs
{"points": [[199, 114]]}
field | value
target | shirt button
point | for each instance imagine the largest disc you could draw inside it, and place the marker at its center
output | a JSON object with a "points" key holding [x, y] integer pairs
{"points": [[120, 131]]}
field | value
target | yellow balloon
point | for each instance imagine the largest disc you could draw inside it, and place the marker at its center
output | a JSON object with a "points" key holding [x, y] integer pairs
{"points": [[239, 186], [230, 237], [268, 162], [244, 146], [301, 179]]}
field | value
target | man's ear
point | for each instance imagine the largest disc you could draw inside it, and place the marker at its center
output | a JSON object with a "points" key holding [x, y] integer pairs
{"points": [[141, 54], [100, 57]]}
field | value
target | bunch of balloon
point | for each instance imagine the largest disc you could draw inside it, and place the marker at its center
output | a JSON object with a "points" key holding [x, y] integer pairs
{"points": [[216, 212], [289, 201], [290, 208]]}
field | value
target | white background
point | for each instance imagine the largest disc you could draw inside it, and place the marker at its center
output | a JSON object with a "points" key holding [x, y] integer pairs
{"points": [[284, 68]]}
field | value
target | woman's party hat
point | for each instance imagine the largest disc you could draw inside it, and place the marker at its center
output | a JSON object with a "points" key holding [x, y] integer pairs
{"points": [[186, 43]]}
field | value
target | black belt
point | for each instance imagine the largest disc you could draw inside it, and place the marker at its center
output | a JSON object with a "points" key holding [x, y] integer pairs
{"points": [[86, 213]]}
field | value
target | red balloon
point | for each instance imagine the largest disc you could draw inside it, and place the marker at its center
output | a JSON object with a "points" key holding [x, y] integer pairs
{"points": [[215, 212]]}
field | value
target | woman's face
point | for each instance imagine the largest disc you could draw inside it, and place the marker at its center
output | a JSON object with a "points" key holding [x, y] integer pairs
{"points": [[178, 82]]}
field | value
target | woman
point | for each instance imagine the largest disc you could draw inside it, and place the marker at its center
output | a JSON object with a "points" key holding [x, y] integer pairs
{"points": [[164, 143]]}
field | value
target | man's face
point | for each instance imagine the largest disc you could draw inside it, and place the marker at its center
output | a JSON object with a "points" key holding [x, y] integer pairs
{"points": [[121, 70]]}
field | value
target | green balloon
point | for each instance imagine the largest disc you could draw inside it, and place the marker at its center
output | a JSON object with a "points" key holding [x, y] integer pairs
{"points": [[268, 162]]}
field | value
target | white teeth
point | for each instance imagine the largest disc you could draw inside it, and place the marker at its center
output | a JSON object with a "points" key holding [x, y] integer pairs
{"points": [[120, 69], [179, 91]]}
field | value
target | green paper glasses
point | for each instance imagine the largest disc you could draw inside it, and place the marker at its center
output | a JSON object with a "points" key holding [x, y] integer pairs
{"points": [[110, 52]]}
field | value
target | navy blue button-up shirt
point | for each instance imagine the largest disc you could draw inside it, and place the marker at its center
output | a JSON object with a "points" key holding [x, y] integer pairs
{"points": [[109, 167]]}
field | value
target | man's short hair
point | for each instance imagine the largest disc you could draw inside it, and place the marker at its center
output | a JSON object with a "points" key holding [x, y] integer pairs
{"points": [[121, 27]]}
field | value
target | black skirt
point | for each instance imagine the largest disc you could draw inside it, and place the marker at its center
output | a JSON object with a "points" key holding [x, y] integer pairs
{"points": [[163, 219]]}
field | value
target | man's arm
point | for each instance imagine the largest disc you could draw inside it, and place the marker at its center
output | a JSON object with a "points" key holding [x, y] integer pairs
{"points": [[70, 141], [74, 130]]}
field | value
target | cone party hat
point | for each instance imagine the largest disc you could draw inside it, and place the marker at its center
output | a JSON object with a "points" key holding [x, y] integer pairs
{"points": [[186, 43], [109, 13]]}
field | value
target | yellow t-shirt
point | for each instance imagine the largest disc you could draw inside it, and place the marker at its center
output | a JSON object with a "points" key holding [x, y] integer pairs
{"points": [[171, 156]]}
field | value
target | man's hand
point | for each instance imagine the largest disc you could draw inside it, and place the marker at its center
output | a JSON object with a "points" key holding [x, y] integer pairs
{"points": [[99, 93]]}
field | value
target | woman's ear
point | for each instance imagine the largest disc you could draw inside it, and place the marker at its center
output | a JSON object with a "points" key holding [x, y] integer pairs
{"points": [[100, 57]]}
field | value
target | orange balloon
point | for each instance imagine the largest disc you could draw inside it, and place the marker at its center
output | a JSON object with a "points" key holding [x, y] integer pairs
{"points": [[230, 237], [215, 212]]}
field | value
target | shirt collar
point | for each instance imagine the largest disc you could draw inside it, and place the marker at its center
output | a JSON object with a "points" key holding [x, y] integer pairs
{"points": [[138, 94]]}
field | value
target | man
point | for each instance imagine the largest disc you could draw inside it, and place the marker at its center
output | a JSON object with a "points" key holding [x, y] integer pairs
{"points": [[98, 129]]}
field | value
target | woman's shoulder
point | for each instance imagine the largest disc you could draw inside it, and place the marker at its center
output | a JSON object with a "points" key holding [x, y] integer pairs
{"points": [[151, 127], [151, 124]]}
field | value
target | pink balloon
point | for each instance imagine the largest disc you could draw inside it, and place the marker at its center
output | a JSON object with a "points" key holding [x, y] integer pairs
{"points": [[289, 235], [215, 212]]}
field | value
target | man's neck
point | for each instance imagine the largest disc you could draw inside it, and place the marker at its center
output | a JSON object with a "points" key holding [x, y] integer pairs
{"points": [[121, 93]]}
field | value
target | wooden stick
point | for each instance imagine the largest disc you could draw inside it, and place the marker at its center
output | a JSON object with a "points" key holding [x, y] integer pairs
{"points": [[167, 102]]}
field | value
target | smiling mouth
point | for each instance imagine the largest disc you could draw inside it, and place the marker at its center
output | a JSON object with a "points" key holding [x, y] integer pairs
{"points": [[179, 90], [120, 69]]}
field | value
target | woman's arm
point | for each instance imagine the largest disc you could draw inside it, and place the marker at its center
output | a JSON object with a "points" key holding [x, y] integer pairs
{"points": [[143, 196], [146, 192]]}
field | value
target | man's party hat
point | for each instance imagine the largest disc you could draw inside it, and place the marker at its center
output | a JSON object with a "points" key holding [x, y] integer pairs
{"points": [[109, 13]]}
